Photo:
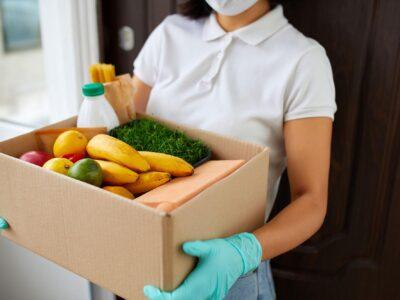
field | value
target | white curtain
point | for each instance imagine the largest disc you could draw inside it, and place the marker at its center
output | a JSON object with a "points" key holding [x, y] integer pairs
{"points": [[70, 46]]}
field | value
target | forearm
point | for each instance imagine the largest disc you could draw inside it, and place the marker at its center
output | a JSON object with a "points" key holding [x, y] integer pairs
{"points": [[141, 94], [292, 226]]}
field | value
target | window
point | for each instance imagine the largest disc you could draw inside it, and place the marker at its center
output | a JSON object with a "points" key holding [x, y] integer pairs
{"points": [[23, 92], [20, 23], [46, 48]]}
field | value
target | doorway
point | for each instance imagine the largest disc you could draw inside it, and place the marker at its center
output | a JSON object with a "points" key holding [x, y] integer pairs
{"points": [[356, 255]]}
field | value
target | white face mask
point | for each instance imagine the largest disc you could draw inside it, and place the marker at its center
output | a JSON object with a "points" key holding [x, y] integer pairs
{"points": [[230, 7]]}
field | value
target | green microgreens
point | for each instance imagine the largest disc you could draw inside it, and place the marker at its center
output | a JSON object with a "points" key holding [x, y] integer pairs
{"points": [[150, 135]]}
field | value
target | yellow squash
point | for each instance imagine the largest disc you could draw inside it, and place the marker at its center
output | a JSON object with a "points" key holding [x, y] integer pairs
{"points": [[148, 181], [173, 165], [114, 173], [106, 147], [119, 190]]}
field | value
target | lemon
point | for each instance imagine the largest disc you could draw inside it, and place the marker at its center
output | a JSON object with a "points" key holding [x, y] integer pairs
{"points": [[70, 142], [59, 165]]}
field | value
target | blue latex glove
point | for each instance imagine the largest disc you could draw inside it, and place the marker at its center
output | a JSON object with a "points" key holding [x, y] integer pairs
{"points": [[221, 263], [3, 224]]}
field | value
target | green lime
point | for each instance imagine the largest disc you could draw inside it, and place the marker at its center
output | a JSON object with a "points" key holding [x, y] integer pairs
{"points": [[87, 170]]}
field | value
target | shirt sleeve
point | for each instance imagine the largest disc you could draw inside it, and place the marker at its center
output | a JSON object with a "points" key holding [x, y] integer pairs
{"points": [[311, 91], [146, 64]]}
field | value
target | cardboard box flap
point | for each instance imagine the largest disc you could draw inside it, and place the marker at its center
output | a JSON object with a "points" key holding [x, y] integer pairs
{"points": [[19, 145], [70, 122], [28, 142]]}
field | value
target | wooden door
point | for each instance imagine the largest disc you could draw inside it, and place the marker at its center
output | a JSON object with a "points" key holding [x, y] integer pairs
{"points": [[140, 15], [356, 255]]}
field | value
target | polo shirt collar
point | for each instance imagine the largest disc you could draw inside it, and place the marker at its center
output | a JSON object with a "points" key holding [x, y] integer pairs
{"points": [[252, 34]]}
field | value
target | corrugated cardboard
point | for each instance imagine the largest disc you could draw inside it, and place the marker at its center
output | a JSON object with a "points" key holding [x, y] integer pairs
{"points": [[117, 243], [178, 191], [47, 137]]}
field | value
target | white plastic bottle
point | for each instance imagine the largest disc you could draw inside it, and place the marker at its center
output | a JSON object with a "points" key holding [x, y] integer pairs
{"points": [[95, 110]]}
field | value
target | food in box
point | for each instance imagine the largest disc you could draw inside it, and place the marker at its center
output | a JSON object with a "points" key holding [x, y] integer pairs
{"points": [[120, 169], [118, 243]]}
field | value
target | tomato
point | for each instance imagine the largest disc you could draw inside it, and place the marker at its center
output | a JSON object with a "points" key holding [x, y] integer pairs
{"points": [[74, 157]]}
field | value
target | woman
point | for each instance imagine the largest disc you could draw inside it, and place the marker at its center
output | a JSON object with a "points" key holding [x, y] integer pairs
{"points": [[237, 67]]}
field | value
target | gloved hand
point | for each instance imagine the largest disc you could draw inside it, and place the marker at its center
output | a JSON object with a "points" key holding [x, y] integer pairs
{"points": [[3, 224], [221, 263]]}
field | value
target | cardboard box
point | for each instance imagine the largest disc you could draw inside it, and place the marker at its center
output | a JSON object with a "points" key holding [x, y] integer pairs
{"points": [[117, 243]]}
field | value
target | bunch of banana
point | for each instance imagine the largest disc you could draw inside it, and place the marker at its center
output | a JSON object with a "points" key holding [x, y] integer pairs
{"points": [[121, 164], [102, 73]]}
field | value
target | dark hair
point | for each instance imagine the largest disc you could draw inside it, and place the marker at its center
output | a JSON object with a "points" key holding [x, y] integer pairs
{"points": [[196, 9]]}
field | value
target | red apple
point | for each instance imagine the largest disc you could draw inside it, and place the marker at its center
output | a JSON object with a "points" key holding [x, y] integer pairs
{"points": [[36, 157]]}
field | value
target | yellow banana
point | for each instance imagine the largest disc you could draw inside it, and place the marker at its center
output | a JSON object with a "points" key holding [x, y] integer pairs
{"points": [[148, 181], [162, 162], [119, 190], [103, 146], [114, 173]]}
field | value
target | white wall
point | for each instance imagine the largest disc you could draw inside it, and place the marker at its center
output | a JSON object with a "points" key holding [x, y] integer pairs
{"points": [[9, 130], [26, 276]]}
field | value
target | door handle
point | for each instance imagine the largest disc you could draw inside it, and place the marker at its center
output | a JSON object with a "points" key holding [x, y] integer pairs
{"points": [[126, 38], [3, 224]]}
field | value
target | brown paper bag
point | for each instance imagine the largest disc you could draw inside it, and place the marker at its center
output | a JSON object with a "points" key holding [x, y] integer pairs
{"points": [[47, 137], [119, 94]]}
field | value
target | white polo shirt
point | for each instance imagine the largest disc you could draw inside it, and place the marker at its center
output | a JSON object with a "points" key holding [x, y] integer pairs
{"points": [[244, 83]]}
